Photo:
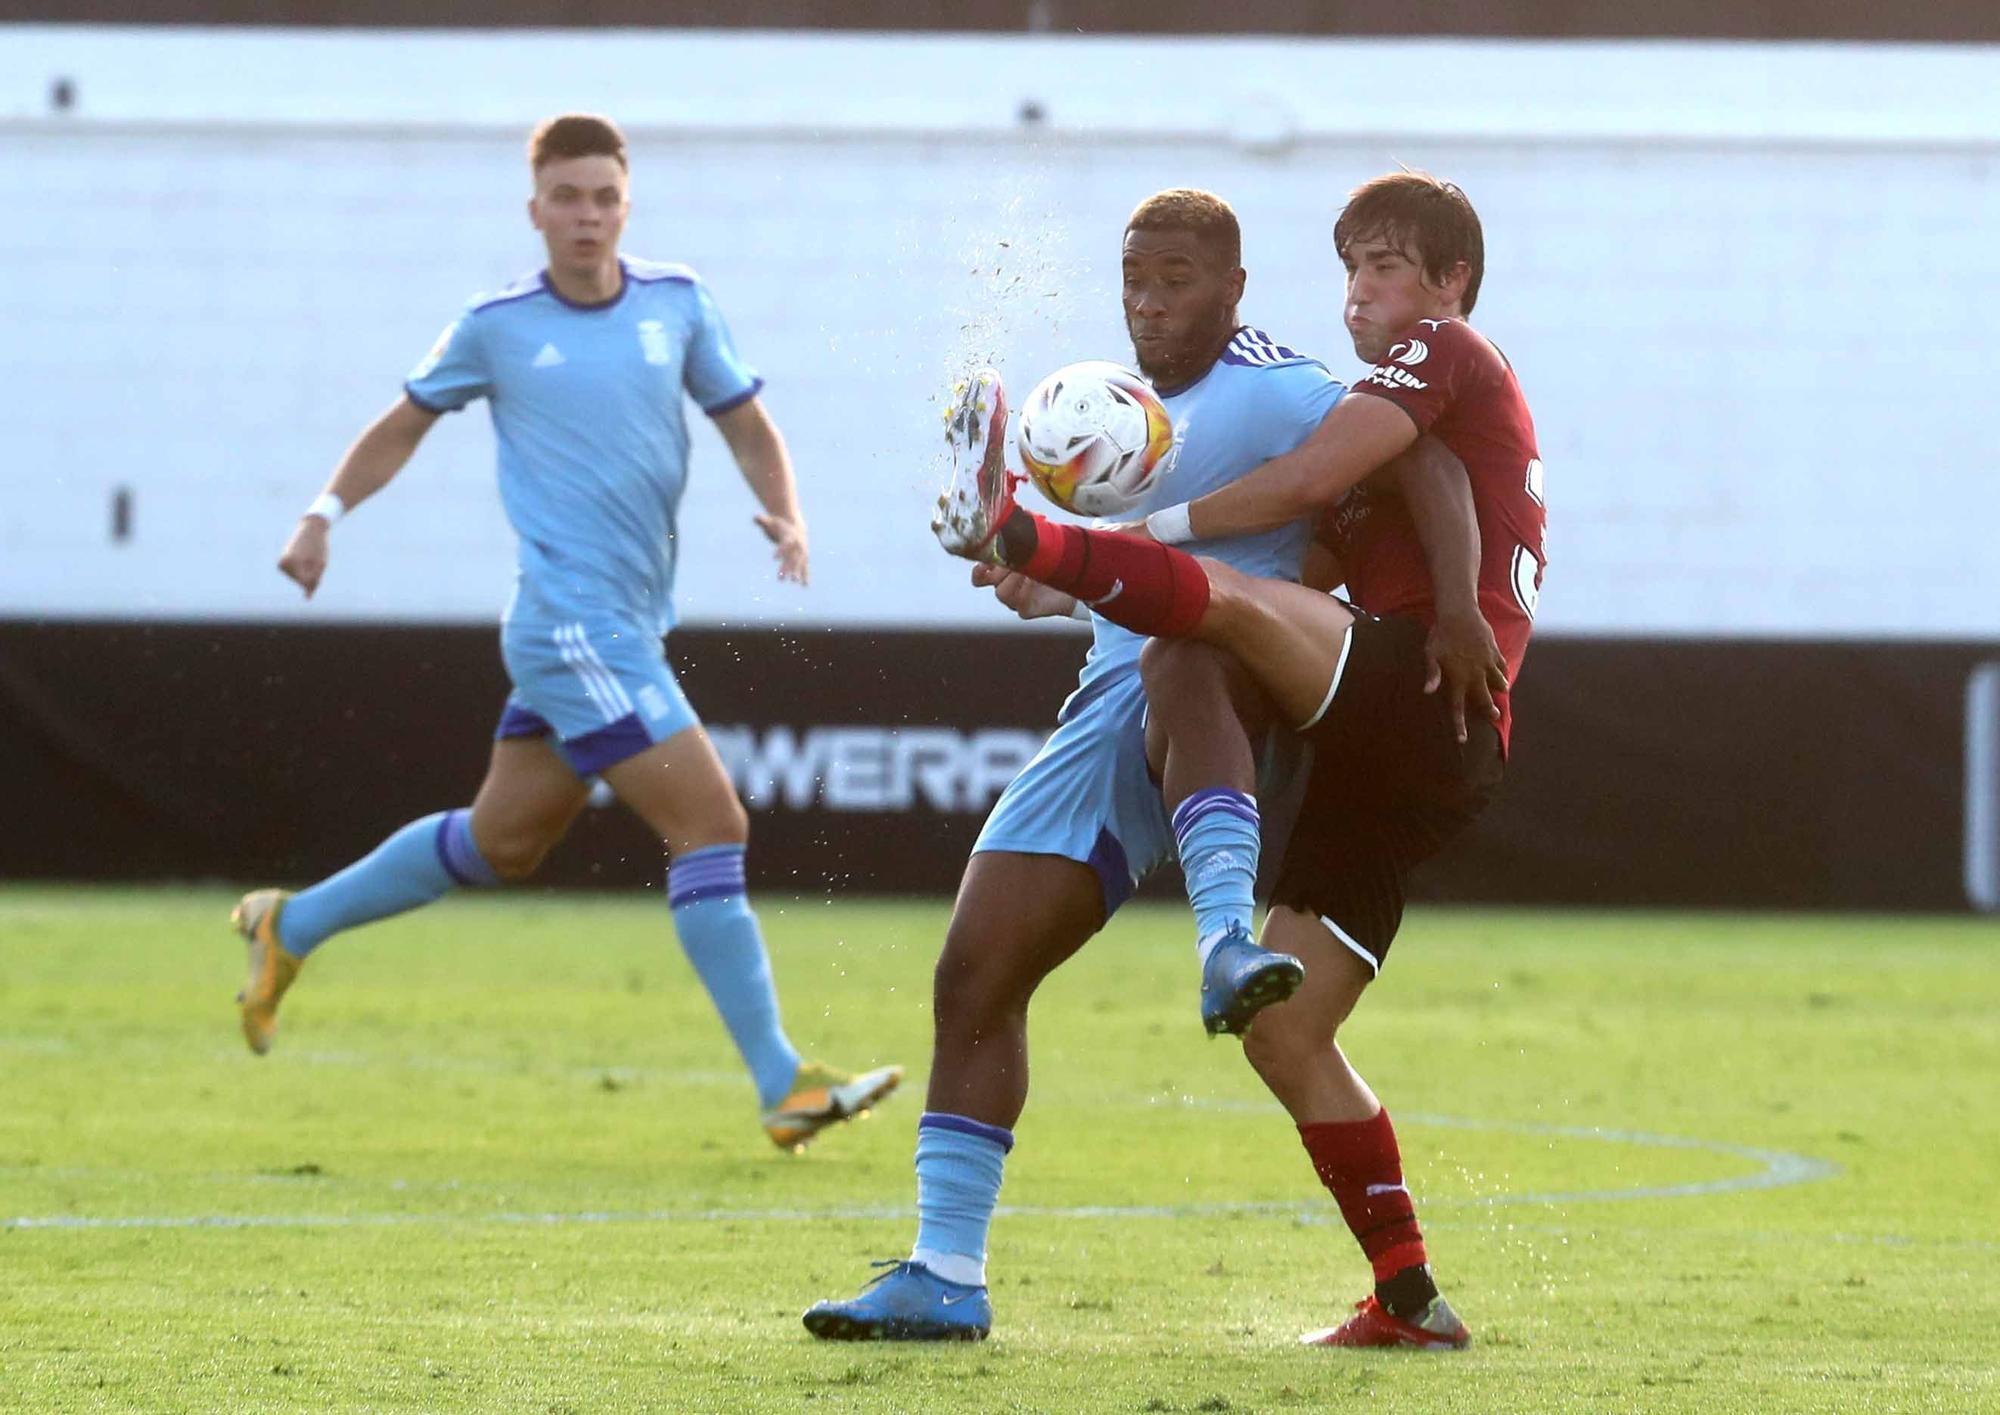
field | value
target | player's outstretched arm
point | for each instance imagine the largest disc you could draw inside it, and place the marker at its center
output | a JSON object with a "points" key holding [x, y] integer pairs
{"points": [[759, 450], [1461, 652], [1356, 437], [370, 464]]}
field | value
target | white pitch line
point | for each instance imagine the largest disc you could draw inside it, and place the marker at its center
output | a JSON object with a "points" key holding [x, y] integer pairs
{"points": [[1728, 1235], [1780, 1168]]}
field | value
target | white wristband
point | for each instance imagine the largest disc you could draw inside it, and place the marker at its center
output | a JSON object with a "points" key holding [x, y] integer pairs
{"points": [[328, 507], [1171, 526], [1080, 610]]}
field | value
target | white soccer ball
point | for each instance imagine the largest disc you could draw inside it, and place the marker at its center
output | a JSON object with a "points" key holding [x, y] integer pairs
{"points": [[1094, 436]]}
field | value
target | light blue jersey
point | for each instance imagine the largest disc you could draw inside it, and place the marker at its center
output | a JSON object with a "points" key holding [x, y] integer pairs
{"points": [[587, 403], [589, 413], [1087, 795], [1258, 401], [589, 409]]}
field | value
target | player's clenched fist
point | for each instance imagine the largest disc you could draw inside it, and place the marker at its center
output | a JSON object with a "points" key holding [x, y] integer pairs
{"points": [[304, 557]]}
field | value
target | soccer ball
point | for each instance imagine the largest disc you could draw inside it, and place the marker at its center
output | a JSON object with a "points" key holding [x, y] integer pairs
{"points": [[1093, 436]]}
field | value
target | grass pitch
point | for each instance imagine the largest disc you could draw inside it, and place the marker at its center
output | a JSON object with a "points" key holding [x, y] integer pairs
{"points": [[503, 1158]]}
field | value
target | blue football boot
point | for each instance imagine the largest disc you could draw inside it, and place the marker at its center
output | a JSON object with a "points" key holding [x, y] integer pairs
{"points": [[905, 1302], [1241, 979]]}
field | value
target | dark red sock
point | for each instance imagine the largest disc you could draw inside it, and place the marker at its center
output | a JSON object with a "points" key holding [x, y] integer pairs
{"points": [[1361, 1167], [1148, 587]]}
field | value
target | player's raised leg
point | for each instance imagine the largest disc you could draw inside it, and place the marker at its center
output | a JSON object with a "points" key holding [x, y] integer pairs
{"points": [[1349, 1138], [1291, 638], [679, 787], [524, 806], [1018, 916], [1203, 709], [1286, 645]]}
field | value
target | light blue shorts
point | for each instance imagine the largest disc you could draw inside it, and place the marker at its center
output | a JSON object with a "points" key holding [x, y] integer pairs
{"points": [[1086, 796], [601, 688]]}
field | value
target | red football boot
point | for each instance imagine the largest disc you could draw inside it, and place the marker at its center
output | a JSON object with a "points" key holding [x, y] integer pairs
{"points": [[1438, 1329]]}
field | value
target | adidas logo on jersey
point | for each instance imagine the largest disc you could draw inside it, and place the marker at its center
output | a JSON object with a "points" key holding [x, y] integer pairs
{"points": [[548, 358], [1257, 349]]}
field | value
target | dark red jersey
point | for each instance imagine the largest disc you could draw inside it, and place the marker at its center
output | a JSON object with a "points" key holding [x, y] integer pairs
{"points": [[1455, 384]]}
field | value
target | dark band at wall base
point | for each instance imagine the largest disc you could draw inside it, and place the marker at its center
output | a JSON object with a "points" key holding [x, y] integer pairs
{"points": [[1643, 772]]}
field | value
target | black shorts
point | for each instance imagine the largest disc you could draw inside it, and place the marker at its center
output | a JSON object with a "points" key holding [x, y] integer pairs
{"points": [[1389, 785]]}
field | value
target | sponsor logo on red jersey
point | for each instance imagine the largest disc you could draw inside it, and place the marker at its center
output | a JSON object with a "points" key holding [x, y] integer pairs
{"points": [[1389, 376]]}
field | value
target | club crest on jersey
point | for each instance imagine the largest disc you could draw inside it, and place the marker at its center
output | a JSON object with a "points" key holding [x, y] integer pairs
{"points": [[653, 341]]}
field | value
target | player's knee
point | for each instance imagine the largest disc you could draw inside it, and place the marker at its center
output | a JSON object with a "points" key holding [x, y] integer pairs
{"points": [[722, 822], [1228, 590], [514, 856], [964, 1004], [1284, 1040], [1186, 666], [733, 822], [1173, 666], [975, 986], [1188, 681]]}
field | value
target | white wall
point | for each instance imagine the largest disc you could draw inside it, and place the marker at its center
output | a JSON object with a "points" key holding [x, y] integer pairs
{"points": [[1750, 291]]}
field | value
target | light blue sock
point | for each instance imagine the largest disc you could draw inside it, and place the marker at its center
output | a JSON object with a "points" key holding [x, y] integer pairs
{"points": [[1216, 830], [720, 936], [414, 866], [959, 1165]]}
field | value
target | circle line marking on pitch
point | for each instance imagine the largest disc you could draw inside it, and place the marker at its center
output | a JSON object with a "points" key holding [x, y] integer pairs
{"points": [[1779, 1169]]}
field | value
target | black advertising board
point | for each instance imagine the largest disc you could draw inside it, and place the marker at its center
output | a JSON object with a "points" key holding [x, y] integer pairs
{"points": [[1837, 775]]}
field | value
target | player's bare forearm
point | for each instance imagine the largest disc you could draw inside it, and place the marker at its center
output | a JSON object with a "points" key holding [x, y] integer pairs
{"points": [[1438, 493], [1359, 435], [1462, 654], [382, 450], [760, 453]]}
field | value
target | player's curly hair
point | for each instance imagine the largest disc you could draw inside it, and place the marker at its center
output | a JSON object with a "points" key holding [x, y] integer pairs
{"points": [[1428, 219], [570, 135], [1203, 214]]}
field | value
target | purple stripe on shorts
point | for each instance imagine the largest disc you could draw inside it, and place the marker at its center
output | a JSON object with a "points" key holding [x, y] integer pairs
{"points": [[607, 746], [1114, 873], [519, 721]]}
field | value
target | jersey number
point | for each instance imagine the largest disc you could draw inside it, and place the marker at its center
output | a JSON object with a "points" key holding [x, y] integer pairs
{"points": [[1527, 577]]}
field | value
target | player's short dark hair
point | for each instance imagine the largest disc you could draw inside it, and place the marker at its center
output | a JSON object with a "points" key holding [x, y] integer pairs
{"points": [[1204, 215], [570, 135], [1428, 219]]}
